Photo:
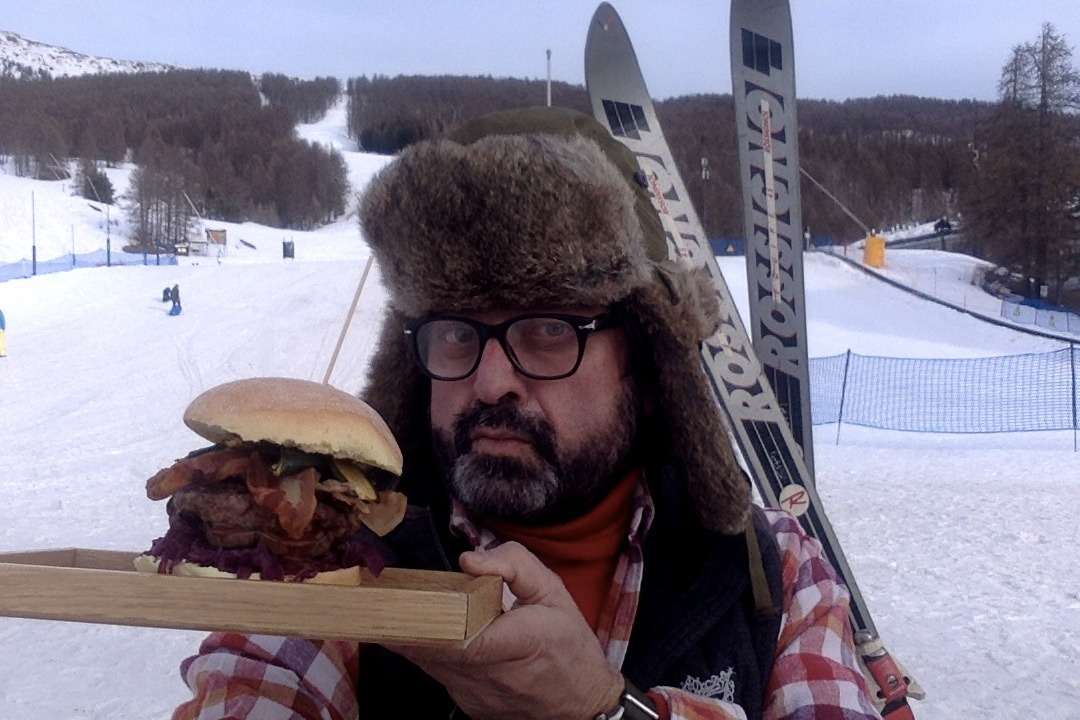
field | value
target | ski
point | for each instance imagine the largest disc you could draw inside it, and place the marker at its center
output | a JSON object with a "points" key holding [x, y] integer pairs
{"points": [[620, 100], [763, 81]]}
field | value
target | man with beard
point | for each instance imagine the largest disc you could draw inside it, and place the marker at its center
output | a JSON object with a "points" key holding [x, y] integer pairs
{"points": [[539, 365]]}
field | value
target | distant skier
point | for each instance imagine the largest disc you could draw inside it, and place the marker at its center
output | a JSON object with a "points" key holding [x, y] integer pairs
{"points": [[174, 295], [3, 340]]}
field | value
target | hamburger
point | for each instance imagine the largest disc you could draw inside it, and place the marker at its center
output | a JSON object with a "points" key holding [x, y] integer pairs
{"points": [[296, 486]]}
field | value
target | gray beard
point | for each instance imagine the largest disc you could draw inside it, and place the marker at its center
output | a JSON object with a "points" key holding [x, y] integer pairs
{"points": [[560, 485]]}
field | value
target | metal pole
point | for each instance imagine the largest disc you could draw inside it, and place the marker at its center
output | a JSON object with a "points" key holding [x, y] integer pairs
{"points": [[843, 393], [705, 175], [33, 235], [348, 319], [72, 246], [1072, 366], [549, 77]]}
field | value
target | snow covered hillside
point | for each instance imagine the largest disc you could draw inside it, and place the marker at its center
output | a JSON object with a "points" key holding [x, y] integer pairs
{"points": [[19, 55], [963, 545], [47, 211]]}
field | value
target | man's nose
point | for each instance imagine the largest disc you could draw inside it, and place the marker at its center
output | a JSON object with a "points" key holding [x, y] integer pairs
{"points": [[495, 377]]}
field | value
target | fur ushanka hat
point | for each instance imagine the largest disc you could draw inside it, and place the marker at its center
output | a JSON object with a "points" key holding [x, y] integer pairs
{"points": [[543, 207]]}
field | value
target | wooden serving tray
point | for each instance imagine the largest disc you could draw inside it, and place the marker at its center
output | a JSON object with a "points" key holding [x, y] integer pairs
{"points": [[417, 607]]}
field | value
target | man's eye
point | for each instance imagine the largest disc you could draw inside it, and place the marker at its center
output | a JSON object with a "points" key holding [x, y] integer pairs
{"points": [[545, 332], [554, 329], [459, 336]]}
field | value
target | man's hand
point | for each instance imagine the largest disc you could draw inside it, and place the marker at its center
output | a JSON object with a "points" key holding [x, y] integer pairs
{"points": [[539, 660]]}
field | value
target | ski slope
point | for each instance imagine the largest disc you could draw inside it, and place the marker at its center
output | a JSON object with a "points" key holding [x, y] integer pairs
{"points": [[963, 545]]}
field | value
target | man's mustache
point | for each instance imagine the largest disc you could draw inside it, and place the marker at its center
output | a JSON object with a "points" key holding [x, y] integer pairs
{"points": [[508, 417]]}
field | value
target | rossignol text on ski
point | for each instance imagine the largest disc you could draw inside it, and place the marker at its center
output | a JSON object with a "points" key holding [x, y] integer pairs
{"points": [[763, 77]]}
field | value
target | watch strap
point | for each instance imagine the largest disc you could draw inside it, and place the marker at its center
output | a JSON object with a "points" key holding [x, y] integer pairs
{"points": [[633, 705]]}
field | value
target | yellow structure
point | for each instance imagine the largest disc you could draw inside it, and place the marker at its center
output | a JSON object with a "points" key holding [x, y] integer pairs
{"points": [[874, 251], [3, 345]]}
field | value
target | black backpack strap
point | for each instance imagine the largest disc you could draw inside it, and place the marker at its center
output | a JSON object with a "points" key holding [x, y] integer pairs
{"points": [[759, 581]]}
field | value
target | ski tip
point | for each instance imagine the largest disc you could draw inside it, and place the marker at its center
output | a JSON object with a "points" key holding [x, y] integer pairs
{"points": [[606, 17]]}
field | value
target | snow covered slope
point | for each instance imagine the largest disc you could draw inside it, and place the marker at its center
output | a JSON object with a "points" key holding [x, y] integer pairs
{"points": [[19, 55], [963, 545], [47, 211]]}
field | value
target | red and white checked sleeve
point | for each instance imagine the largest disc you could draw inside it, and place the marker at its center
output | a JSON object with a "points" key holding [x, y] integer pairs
{"points": [[262, 677], [815, 673]]}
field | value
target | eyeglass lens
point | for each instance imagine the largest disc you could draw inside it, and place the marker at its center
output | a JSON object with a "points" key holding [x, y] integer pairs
{"points": [[542, 346]]}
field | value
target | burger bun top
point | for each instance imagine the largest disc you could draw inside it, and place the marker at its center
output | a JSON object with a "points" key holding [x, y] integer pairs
{"points": [[295, 413]]}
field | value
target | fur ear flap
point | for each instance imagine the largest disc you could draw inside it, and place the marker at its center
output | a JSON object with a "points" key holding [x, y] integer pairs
{"points": [[398, 391], [688, 413], [693, 288]]}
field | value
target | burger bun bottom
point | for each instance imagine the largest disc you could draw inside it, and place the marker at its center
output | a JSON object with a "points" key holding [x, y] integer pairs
{"points": [[349, 576]]}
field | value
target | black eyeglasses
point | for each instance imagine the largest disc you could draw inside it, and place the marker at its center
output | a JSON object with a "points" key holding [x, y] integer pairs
{"points": [[541, 346]]}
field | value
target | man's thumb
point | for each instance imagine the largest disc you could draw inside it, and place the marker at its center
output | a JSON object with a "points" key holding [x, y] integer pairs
{"points": [[528, 578]]}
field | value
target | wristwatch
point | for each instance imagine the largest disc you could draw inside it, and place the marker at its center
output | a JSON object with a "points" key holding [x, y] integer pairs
{"points": [[633, 705]]}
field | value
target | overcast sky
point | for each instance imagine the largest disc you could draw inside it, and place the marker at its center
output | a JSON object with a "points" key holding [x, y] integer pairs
{"points": [[843, 48]]}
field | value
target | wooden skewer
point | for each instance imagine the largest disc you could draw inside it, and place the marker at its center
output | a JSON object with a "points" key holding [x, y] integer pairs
{"points": [[348, 319]]}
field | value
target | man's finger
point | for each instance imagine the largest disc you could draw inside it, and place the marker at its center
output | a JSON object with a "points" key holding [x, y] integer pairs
{"points": [[530, 581], [419, 654], [516, 635]]}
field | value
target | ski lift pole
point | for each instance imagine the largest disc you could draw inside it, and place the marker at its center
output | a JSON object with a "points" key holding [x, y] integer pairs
{"points": [[108, 222], [202, 223], [348, 319], [33, 235], [57, 166]]}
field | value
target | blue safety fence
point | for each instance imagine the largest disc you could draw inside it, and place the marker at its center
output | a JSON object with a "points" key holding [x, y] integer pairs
{"points": [[1045, 315], [98, 258], [1013, 393], [826, 387]]}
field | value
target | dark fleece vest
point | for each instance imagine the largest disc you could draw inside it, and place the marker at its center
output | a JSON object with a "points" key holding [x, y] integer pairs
{"points": [[696, 626]]}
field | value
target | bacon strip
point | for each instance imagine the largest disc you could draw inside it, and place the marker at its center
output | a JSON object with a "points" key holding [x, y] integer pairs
{"points": [[342, 492], [204, 469], [291, 498]]}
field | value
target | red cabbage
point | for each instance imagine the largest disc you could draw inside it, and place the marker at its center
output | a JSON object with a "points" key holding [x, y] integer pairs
{"points": [[185, 541]]}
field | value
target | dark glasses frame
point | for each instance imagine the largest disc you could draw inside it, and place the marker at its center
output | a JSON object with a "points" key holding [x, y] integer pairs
{"points": [[583, 326]]}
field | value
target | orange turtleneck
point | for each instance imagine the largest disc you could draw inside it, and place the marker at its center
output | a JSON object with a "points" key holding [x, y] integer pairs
{"points": [[584, 551]]}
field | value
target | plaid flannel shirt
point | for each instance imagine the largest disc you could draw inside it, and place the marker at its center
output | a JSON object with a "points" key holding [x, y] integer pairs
{"points": [[815, 673]]}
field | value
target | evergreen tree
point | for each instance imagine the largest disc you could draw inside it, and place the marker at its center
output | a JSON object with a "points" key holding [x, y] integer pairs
{"points": [[1027, 172]]}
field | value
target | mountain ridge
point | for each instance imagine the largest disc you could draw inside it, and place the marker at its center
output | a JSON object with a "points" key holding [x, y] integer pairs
{"points": [[22, 57]]}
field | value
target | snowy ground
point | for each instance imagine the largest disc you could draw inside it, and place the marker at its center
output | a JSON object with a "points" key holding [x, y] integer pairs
{"points": [[944, 275], [950, 277], [963, 545]]}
